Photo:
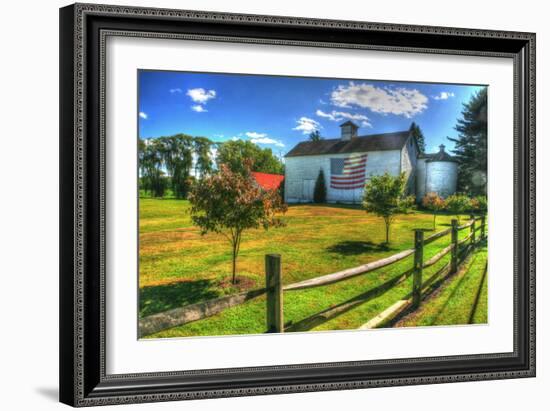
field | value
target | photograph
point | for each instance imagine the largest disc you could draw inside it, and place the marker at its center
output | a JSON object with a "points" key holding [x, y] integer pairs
{"points": [[281, 204], [255, 202]]}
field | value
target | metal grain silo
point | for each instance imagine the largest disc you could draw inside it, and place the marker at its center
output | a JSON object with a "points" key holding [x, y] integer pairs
{"points": [[441, 173]]}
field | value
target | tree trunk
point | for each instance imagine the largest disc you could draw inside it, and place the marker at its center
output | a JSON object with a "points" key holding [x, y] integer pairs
{"points": [[387, 232], [434, 220], [236, 248], [234, 265]]}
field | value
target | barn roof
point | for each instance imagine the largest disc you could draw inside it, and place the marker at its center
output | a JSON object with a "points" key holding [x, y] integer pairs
{"points": [[372, 142], [268, 181]]}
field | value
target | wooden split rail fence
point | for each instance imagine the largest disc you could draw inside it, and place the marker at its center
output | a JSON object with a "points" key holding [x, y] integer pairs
{"points": [[274, 288]]}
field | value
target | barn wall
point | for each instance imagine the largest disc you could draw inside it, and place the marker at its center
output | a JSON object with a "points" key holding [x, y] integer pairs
{"points": [[301, 174], [441, 177], [408, 165]]}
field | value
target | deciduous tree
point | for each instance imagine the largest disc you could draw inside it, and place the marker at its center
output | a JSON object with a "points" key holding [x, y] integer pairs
{"points": [[203, 163], [384, 197], [177, 152], [150, 158], [434, 203], [229, 202], [235, 153]]}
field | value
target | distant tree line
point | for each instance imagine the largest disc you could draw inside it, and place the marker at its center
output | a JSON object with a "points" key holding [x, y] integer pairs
{"points": [[174, 162]]}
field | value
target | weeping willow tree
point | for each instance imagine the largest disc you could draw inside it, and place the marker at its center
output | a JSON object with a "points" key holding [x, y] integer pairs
{"points": [[203, 163], [152, 178], [177, 153]]}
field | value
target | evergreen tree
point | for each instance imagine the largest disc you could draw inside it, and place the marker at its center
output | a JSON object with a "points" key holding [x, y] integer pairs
{"points": [[320, 190], [418, 135], [315, 136], [471, 145]]}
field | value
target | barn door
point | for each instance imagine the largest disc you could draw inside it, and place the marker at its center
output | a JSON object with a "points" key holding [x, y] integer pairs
{"points": [[309, 186]]}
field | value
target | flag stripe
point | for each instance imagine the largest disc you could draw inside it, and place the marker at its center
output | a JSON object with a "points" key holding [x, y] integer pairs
{"points": [[348, 173], [346, 187], [350, 180], [355, 161]]}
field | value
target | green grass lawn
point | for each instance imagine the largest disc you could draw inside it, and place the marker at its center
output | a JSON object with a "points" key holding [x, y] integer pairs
{"points": [[460, 300], [178, 266]]}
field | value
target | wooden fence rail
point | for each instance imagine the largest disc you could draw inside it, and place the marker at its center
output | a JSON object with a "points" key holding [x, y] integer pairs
{"points": [[349, 273], [193, 312], [436, 236], [274, 288]]}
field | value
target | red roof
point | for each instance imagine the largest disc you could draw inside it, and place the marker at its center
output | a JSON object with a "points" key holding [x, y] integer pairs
{"points": [[268, 181]]}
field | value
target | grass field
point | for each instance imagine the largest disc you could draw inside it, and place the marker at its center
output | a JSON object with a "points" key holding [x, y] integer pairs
{"points": [[178, 266], [461, 300]]}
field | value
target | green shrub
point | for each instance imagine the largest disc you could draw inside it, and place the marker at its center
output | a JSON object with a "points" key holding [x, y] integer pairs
{"points": [[320, 190], [458, 204], [479, 204]]}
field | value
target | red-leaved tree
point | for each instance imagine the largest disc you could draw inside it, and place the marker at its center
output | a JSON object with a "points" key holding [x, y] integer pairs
{"points": [[229, 203], [434, 203]]}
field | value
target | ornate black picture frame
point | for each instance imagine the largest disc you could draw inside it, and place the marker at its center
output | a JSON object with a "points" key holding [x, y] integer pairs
{"points": [[83, 31]]}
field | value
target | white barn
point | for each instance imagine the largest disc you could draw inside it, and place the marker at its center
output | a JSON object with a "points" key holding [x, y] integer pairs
{"points": [[348, 162]]}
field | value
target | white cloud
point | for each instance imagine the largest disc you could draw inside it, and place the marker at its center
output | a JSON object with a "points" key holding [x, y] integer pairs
{"points": [[341, 115], [261, 138], [176, 91], [199, 109], [386, 100], [444, 95], [307, 125], [253, 134], [267, 140], [200, 95], [143, 115]]}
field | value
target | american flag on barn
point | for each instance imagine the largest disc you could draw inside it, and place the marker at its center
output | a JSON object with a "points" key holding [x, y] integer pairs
{"points": [[348, 173]]}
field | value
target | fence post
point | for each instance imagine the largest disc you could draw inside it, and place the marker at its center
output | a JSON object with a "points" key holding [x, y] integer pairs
{"points": [[482, 235], [418, 262], [274, 297], [454, 249], [473, 229]]}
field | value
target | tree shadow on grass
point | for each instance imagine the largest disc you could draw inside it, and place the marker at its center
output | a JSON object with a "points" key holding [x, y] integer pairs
{"points": [[328, 314], [328, 205], [357, 247], [160, 298]]}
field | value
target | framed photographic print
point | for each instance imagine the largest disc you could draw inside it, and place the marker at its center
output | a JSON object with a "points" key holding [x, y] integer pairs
{"points": [[262, 204]]}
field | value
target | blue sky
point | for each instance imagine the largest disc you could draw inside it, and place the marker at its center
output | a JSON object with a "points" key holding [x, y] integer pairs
{"points": [[278, 112]]}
